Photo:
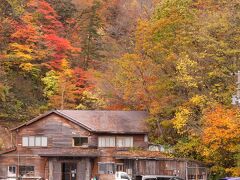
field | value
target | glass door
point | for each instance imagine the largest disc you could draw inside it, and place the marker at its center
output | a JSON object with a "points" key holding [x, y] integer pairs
{"points": [[69, 171]]}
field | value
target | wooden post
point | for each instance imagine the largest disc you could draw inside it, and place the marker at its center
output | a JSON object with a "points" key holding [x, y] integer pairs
{"points": [[196, 172], [186, 165], [88, 169], [50, 169]]}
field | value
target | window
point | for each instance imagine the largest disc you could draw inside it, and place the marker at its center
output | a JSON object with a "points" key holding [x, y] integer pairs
{"points": [[106, 141], [124, 141], [26, 170], [38, 141], [31, 141], [11, 171], [24, 141], [80, 141], [146, 138], [106, 168], [44, 141], [112, 141]]}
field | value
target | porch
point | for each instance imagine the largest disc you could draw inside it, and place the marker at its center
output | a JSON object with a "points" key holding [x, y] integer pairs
{"points": [[157, 163], [70, 164]]}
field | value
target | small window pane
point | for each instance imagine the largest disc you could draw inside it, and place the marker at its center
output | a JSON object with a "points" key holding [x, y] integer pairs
{"points": [[44, 141], [119, 142], [99, 142], [83, 140], [38, 141], [25, 141], [102, 141], [146, 138], [124, 141], [31, 141], [112, 141], [107, 140], [128, 142]]}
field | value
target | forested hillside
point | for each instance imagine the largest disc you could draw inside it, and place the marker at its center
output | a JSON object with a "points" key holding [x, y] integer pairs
{"points": [[175, 59]]}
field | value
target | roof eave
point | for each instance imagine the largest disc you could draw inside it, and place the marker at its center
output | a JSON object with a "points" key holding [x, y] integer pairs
{"points": [[8, 150], [32, 120], [69, 155], [121, 132]]}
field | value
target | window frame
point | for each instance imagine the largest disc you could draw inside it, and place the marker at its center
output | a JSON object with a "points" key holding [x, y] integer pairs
{"points": [[81, 143], [126, 141], [107, 167], [24, 169], [26, 141], [10, 173], [106, 141]]}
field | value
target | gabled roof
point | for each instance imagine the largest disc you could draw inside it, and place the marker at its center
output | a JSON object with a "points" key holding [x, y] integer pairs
{"points": [[102, 121]]}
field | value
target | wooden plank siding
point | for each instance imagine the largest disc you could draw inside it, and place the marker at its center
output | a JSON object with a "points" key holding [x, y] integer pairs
{"points": [[172, 167], [48, 161], [59, 132]]}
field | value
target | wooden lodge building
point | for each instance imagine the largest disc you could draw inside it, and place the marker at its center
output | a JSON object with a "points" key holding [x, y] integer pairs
{"points": [[79, 145]]}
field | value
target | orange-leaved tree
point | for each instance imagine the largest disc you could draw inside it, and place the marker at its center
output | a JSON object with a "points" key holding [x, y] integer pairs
{"points": [[221, 137], [64, 88]]}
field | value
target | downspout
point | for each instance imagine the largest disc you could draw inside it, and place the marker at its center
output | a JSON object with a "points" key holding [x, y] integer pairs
{"points": [[18, 155]]}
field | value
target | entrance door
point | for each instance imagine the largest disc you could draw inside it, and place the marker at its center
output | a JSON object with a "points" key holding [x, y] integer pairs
{"points": [[119, 166], [69, 171]]}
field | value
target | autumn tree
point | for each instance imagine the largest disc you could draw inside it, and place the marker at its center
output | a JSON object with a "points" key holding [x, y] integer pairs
{"points": [[91, 36], [221, 137], [194, 52], [34, 46], [67, 89]]}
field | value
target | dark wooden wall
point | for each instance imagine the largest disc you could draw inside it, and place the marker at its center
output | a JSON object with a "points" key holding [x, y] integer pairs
{"points": [[58, 130], [14, 159], [156, 167]]}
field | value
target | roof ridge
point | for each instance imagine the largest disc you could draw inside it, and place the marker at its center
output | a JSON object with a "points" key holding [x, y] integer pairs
{"points": [[102, 110]]}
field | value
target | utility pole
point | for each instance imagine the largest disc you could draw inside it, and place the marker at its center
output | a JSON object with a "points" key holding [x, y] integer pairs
{"points": [[236, 97]]}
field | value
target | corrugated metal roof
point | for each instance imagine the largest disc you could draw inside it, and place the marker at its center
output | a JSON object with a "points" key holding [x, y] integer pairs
{"points": [[117, 122], [110, 121], [69, 152], [141, 154]]}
